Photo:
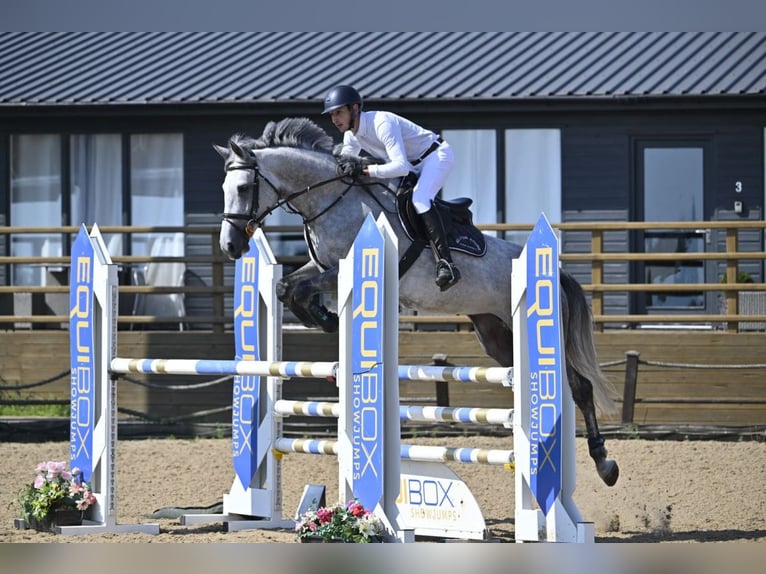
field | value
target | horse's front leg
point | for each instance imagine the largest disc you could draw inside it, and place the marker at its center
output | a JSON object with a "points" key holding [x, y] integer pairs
{"points": [[307, 293], [582, 393], [285, 292]]}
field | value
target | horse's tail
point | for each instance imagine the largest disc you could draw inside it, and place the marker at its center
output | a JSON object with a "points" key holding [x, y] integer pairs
{"points": [[580, 347]]}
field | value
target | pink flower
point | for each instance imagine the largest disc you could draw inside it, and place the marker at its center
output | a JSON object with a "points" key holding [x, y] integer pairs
{"points": [[56, 469], [87, 499], [39, 481]]}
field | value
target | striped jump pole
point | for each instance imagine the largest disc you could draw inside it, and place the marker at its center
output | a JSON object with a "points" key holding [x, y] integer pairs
{"points": [[476, 415], [499, 375], [281, 369], [422, 453]]}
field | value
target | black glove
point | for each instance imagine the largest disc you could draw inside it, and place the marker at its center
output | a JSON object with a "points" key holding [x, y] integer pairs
{"points": [[349, 167]]}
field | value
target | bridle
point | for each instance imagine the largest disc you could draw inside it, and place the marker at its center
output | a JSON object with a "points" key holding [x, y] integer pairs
{"points": [[249, 229], [253, 220]]}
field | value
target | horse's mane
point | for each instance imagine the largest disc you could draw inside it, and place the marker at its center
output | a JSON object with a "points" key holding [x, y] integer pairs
{"points": [[290, 132]]}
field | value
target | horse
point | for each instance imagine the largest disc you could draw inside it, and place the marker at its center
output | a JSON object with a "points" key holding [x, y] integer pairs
{"points": [[292, 166]]}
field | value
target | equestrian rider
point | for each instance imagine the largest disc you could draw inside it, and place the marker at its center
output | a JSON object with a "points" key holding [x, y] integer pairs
{"points": [[405, 147]]}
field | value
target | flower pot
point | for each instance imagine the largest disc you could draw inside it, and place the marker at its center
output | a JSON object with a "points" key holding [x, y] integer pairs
{"points": [[67, 517], [316, 539], [58, 517], [320, 540]]}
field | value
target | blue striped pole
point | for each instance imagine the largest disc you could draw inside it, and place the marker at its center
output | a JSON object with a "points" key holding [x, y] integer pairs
{"points": [[501, 375], [406, 412], [408, 452], [458, 415], [283, 369]]}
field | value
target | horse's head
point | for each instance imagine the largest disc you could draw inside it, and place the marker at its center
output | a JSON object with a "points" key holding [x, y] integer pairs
{"points": [[241, 193], [263, 174]]}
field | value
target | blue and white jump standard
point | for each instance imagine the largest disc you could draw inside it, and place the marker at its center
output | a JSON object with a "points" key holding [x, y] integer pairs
{"points": [[410, 487]]}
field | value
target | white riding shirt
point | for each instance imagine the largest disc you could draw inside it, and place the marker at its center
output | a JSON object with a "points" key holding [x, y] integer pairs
{"points": [[399, 141], [389, 137]]}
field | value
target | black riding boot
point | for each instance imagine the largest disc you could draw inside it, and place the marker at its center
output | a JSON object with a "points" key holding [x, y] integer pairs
{"points": [[447, 274]]}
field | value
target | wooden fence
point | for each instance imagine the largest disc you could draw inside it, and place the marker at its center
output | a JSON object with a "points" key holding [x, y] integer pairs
{"points": [[46, 306], [678, 375]]}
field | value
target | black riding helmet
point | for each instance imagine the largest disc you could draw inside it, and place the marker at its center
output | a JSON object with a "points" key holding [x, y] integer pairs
{"points": [[341, 96]]}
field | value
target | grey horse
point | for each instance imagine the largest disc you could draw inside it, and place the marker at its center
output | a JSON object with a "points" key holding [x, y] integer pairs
{"points": [[292, 166]]}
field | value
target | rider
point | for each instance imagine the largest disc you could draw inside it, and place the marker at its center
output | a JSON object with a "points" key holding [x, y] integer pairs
{"points": [[406, 147]]}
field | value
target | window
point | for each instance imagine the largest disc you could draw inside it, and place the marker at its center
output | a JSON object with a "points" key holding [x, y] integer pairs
{"points": [[532, 178], [95, 192], [474, 174], [673, 190], [96, 189], [35, 201]]}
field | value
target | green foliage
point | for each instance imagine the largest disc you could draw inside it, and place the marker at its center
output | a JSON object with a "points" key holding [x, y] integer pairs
{"points": [[633, 432], [34, 411], [30, 410], [742, 277]]}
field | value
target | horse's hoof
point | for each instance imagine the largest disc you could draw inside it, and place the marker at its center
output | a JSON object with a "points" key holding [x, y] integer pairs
{"points": [[330, 323], [608, 471]]}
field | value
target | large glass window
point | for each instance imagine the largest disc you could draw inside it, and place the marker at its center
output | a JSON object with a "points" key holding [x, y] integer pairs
{"points": [[35, 202], [532, 177], [156, 184], [96, 193], [96, 190], [474, 174], [673, 184]]}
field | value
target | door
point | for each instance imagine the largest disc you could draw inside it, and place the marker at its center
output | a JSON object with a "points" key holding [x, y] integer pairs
{"points": [[671, 182]]}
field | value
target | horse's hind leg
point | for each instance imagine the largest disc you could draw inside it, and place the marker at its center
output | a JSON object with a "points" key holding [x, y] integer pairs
{"points": [[582, 393]]}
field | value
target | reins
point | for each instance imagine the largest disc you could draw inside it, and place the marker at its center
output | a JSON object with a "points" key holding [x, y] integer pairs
{"points": [[253, 221]]}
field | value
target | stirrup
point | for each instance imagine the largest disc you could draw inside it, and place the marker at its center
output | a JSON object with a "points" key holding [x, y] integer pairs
{"points": [[443, 281]]}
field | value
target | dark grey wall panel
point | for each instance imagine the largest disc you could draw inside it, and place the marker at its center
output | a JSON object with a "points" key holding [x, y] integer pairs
{"points": [[595, 169], [738, 163]]}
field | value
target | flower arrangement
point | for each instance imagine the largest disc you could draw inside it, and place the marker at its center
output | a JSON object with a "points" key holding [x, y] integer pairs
{"points": [[54, 488], [340, 523]]}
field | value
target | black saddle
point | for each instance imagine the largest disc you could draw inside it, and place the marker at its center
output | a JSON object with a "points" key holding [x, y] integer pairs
{"points": [[456, 216]]}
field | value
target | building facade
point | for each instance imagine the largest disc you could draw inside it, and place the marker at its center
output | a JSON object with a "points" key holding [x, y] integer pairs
{"points": [[116, 129]]}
